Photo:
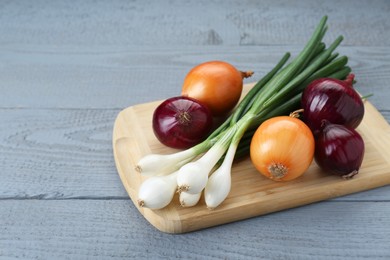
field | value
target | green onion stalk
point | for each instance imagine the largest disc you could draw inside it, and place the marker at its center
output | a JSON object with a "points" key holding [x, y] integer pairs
{"points": [[207, 166]]}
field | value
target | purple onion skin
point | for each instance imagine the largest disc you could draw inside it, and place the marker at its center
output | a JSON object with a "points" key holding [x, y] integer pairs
{"points": [[181, 122], [333, 100], [339, 150]]}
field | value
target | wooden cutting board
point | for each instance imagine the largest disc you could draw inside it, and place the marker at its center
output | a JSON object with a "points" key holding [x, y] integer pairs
{"points": [[251, 194]]}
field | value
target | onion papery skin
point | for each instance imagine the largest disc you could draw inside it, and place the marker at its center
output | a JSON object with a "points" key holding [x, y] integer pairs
{"points": [[217, 84], [339, 150], [333, 100], [282, 148], [181, 122]]}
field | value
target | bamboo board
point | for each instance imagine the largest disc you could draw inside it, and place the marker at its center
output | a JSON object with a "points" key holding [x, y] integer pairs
{"points": [[251, 194]]}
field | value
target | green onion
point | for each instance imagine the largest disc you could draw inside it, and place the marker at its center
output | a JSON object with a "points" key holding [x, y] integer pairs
{"points": [[207, 166]]}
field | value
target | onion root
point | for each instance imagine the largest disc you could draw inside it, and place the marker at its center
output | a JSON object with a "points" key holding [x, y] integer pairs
{"points": [[277, 170]]}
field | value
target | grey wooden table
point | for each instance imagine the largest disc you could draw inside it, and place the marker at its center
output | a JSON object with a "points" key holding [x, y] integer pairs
{"points": [[67, 68]]}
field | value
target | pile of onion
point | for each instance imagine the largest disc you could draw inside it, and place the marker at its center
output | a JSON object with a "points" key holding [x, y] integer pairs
{"points": [[333, 109], [211, 89]]}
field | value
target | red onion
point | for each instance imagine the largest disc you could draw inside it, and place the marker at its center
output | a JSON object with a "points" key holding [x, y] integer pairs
{"points": [[333, 100], [181, 122], [339, 150]]}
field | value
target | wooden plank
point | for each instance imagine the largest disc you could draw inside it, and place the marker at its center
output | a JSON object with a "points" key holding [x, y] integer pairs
{"points": [[84, 229], [178, 22], [57, 154], [67, 153], [120, 76], [250, 195]]}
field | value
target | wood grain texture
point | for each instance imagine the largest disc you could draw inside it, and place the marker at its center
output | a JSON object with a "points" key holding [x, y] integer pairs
{"points": [[67, 153], [251, 194], [265, 22], [57, 154], [118, 76], [68, 67], [102, 229]]}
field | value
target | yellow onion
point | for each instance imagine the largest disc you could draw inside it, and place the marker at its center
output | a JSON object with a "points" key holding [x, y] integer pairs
{"points": [[282, 148], [216, 84]]}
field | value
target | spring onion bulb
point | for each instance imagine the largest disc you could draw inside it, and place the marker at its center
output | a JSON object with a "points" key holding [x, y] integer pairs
{"points": [[189, 200], [219, 184], [193, 176], [161, 164], [157, 192]]}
